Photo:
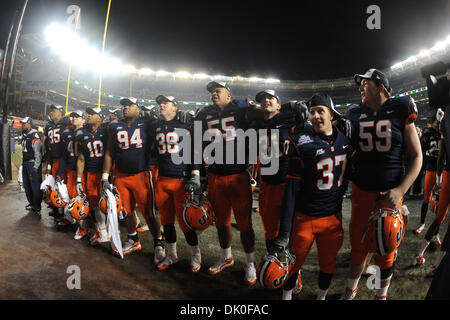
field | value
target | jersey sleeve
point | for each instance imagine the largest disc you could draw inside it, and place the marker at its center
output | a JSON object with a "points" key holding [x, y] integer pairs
{"points": [[412, 112]]}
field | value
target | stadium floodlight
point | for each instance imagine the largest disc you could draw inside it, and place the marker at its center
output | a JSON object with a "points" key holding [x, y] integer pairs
{"points": [[397, 65], [128, 68], [183, 75], [424, 53], [447, 40], [238, 78], [256, 79], [438, 46], [272, 80], [200, 76], [162, 73], [146, 72], [411, 59]]}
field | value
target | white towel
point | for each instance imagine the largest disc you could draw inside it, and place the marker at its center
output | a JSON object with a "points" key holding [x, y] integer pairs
{"points": [[113, 223]]}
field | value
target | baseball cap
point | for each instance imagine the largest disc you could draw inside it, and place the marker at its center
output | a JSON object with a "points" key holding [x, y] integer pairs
{"points": [[57, 107], [375, 75], [97, 110], [128, 101], [115, 111], [26, 120], [161, 98], [322, 99], [268, 92], [148, 108], [213, 85], [76, 113]]}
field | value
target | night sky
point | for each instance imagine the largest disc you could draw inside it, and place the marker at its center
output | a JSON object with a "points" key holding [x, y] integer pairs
{"points": [[289, 40]]}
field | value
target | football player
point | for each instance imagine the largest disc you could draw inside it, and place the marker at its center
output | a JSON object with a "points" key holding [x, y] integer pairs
{"points": [[430, 141], [31, 167], [114, 114], [228, 184], [384, 127], [312, 201], [442, 183], [54, 147], [168, 132], [90, 148], [68, 165], [128, 146]]}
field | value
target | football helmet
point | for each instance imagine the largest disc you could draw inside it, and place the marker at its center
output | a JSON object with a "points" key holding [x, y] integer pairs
{"points": [[56, 199], [384, 231], [104, 202], [197, 212], [79, 207], [272, 273], [46, 194]]}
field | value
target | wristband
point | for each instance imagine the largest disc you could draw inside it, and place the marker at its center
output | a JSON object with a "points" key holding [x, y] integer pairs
{"points": [[78, 179], [105, 176], [49, 167]]}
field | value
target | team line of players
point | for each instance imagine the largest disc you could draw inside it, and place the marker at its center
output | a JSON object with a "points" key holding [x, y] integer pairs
{"points": [[302, 203]]}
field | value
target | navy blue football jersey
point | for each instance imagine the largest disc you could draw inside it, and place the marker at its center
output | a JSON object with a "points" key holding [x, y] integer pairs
{"points": [[227, 121], [378, 141], [92, 145], [319, 164], [131, 145], [53, 133], [69, 154], [277, 128], [27, 144], [168, 137], [430, 139], [444, 135]]}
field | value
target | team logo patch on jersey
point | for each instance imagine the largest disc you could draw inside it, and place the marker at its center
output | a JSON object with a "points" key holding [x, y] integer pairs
{"points": [[119, 128], [319, 152], [363, 116], [304, 139], [208, 116]]}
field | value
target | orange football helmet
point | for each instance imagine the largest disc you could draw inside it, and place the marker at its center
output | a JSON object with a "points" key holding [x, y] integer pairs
{"points": [[272, 273], [56, 199], [197, 212], [46, 194], [384, 231], [104, 202], [79, 207]]}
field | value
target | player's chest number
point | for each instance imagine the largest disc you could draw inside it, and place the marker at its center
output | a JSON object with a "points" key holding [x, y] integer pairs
{"points": [[95, 148], [167, 142], [54, 136], [328, 165], [225, 125], [383, 132], [125, 142]]}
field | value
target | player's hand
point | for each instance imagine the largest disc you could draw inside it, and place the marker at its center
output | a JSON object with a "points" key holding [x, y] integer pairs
{"points": [[193, 185], [58, 179], [391, 197], [280, 243], [301, 111], [36, 170], [106, 186], [80, 190]]}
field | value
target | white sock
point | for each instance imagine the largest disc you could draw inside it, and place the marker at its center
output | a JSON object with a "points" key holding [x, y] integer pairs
{"points": [[226, 253], [423, 247], [321, 294], [101, 219], [172, 249], [352, 283], [287, 295], [195, 250], [383, 291], [250, 257]]}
